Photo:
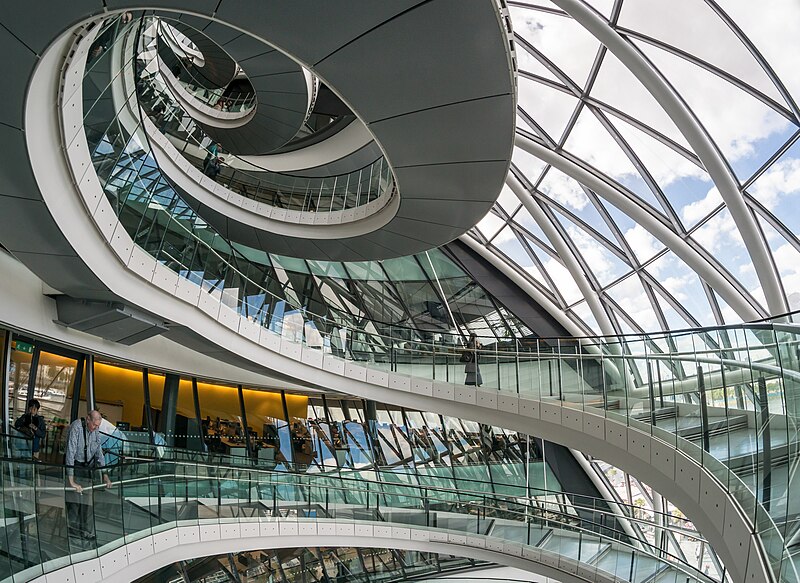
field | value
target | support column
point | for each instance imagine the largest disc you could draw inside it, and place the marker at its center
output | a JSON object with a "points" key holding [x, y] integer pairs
{"points": [[201, 430], [169, 408], [246, 429], [5, 375], [90, 397], [148, 414], [766, 444], [326, 409], [701, 386], [77, 387], [371, 414], [345, 410], [288, 421], [34, 369]]}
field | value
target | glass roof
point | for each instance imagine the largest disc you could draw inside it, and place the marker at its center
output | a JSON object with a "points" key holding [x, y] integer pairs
{"points": [[678, 250]]}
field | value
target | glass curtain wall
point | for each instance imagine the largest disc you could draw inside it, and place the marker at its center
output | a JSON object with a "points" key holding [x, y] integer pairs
{"points": [[277, 437], [400, 445], [678, 539], [55, 382], [120, 397], [52, 384], [220, 415], [18, 378]]}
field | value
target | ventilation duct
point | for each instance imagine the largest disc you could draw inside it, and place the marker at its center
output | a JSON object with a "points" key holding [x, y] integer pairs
{"points": [[109, 320]]}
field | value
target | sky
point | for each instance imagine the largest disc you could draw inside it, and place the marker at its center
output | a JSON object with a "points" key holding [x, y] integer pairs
{"points": [[735, 71]]}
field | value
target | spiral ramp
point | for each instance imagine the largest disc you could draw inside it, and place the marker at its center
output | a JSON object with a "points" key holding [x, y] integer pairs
{"points": [[279, 85], [218, 67], [424, 114], [447, 137]]}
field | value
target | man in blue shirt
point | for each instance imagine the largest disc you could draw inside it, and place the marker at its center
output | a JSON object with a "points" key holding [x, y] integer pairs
{"points": [[84, 455]]}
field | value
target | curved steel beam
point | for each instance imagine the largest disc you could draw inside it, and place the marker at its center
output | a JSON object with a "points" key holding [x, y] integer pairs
{"points": [[691, 128], [554, 310], [566, 254], [659, 230]]}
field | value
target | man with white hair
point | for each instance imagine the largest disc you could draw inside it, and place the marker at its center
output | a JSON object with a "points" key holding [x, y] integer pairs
{"points": [[84, 455]]}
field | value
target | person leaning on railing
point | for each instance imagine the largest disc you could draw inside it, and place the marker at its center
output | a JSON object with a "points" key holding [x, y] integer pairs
{"points": [[84, 455]]}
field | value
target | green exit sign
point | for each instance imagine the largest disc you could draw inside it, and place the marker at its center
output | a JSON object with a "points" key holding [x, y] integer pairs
{"points": [[23, 346]]}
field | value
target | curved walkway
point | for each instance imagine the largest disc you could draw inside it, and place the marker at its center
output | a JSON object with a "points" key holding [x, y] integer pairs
{"points": [[139, 279], [211, 537], [164, 512], [281, 92], [242, 219]]}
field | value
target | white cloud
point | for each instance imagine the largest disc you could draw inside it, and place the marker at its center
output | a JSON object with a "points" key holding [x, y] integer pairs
{"points": [[563, 281], [529, 164], [507, 200], [758, 295], [631, 297], [719, 234], [564, 189], [547, 32], [591, 251], [740, 124], [772, 26], [729, 315], [644, 245], [780, 180], [735, 119], [590, 141], [676, 286], [787, 258], [490, 224], [692, 26], [698, 210], [747, 269], [550, 108]]}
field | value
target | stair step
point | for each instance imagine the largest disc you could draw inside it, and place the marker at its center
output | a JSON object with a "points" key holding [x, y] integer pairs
{"points": [[587, 400], [716, 426], [661, 413]]}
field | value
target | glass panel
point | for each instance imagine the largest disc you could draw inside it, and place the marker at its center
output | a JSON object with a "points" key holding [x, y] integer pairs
{"points": [[221, 419], [119, 395], [21, 355]]}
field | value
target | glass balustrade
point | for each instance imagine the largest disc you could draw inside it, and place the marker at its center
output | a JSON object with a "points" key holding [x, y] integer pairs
{"points": [[314, 564], [499, 479], [281, 190], [184, 71], [48, 525]]}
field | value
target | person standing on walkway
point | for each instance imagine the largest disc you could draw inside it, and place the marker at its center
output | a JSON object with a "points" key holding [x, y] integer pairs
{"points": [[83, 457], [470, 359], [213, 168]]}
